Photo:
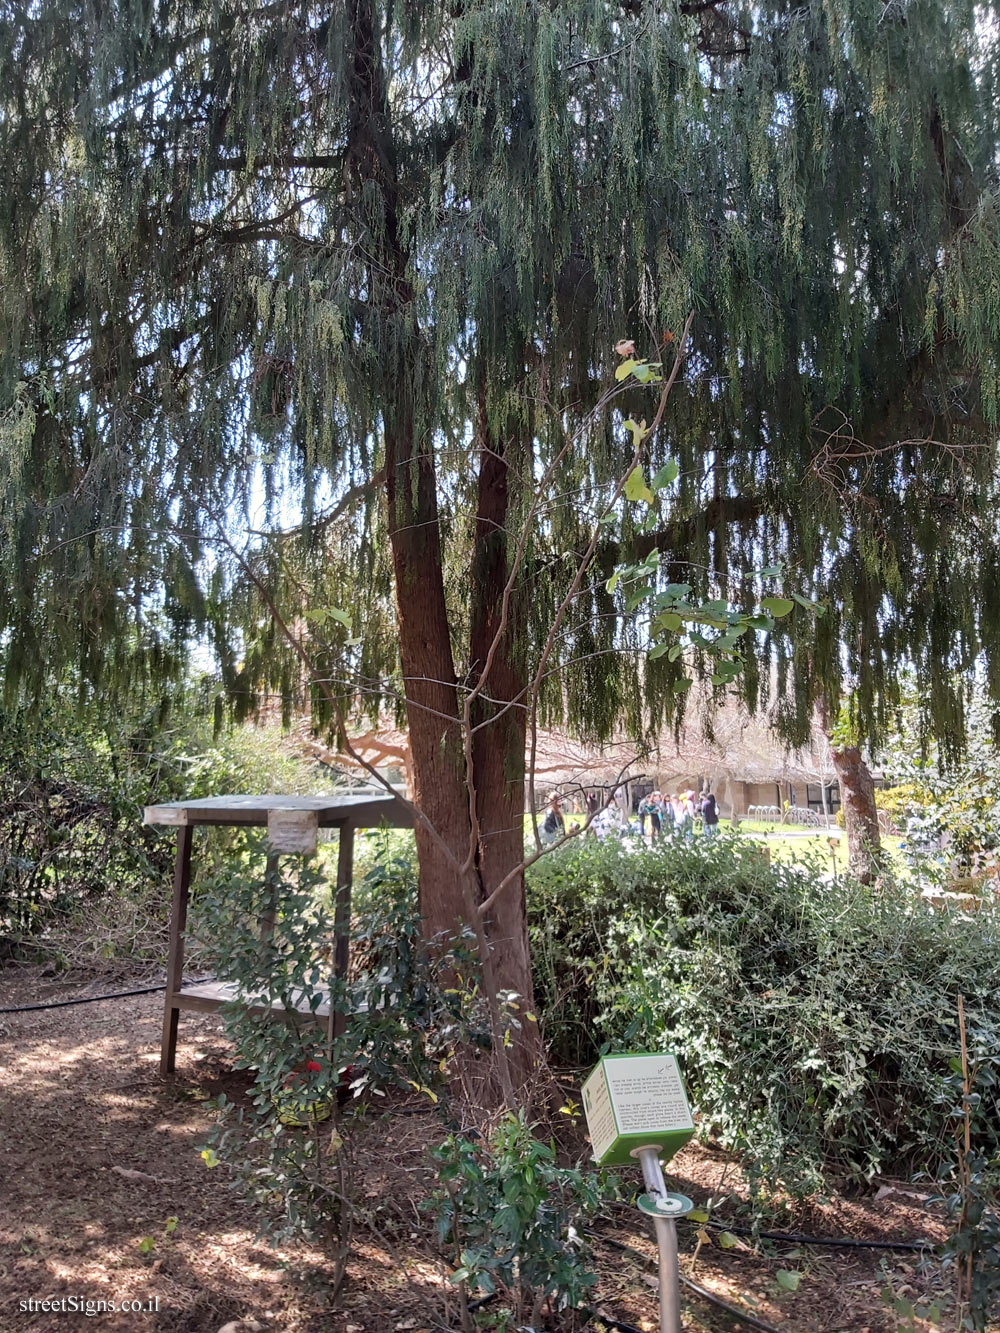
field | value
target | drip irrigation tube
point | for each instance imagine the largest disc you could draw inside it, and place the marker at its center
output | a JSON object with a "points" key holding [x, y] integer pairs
{"points": [[835, 1242], [89, 999], [734, 1312], [620, 1326]]}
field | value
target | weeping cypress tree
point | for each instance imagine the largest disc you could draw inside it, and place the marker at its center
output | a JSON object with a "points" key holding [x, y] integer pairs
{"points": [[378, 256]]}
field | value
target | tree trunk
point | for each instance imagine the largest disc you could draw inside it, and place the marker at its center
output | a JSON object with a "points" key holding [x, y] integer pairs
{"points": [[442, 778], [425, 649], [498, 748], [857, 799]]}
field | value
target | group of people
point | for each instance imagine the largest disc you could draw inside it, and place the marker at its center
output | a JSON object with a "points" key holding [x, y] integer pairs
{"points": [[676, 814], [666, 815]]}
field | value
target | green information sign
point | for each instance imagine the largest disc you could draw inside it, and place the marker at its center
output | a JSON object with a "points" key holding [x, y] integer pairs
{"points": [[632, 1100]]}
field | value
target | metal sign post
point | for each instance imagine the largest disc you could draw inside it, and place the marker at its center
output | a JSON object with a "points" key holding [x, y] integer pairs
{"points": [[664, 1208], [637, 1108]]}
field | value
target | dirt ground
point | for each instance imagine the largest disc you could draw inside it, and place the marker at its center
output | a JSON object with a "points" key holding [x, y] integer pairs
{"points": [[97, 1152]]}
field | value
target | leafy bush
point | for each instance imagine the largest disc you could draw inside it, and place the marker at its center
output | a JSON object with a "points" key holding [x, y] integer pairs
{"points": [[78, 871], [814, 1022], [70, 821], [511, 1220], [290, 1150], [388, 999]]}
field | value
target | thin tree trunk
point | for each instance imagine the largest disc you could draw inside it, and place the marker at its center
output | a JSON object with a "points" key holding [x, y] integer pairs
{"points": [[857, 799]]}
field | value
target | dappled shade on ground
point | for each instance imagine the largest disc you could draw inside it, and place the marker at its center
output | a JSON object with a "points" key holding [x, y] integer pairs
{"points": [[82, 1106]]}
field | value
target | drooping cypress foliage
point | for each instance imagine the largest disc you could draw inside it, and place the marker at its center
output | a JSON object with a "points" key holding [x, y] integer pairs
{"points": [[376, 256], [240, 233]]}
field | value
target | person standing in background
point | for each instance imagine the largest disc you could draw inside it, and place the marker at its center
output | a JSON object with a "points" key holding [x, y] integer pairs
{"points": [[554, 826], [686, 822], [710, 813], [651, 807], [667, 820]]}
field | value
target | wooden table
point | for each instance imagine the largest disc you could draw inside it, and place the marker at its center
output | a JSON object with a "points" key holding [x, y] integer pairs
{"points": [[292, 823]]}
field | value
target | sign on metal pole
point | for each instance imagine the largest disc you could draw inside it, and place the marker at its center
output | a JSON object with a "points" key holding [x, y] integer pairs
{"points": [[636, 1100], [637, 1111]]}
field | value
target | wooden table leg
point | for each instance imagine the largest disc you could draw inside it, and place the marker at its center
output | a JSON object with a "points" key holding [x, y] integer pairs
{"points": [[270, 913], [341, 927], [175, 958]]}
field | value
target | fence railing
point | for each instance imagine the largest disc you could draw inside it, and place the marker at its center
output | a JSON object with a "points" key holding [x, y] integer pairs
{"points": [[794, 814]]}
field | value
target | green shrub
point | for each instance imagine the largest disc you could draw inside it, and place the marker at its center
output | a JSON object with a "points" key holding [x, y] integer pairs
{"points": [[80, 875], [510, 1219], [290, 1150], [814, 1022], [70, 823], [902, 802]]}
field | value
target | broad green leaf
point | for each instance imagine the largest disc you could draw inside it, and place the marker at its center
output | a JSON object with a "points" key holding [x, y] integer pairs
{"points": [[639, 595], [771, 572], [646, 371], [335, 613], [459, 1275], [777, 606], [209, 1157], [680, 686], [674, 653], [727, 1240], [669, 621], [666, 476], [612, 582], [636, 488], [788, 1279], [656, 652], [625, 369], [698, 1215], [731, 637], [725, 672], [147, 1245]]}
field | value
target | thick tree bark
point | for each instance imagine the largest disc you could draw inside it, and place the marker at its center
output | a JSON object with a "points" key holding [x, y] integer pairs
{"points": [[449, 895], [857, 799], [411, 495], [498, 748], [454, 784]]}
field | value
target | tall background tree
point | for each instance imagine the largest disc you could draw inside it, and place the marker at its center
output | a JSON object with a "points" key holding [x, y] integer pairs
{"points": [[345, 277]]}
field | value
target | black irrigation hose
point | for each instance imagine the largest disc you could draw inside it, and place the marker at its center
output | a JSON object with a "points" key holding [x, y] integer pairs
{"points": [[620, 1326], [89, 999], [835, 1242], [733, 1311]]}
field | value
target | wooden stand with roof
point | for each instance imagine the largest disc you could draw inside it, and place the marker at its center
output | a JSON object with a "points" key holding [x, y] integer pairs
{"points": [[292, 823]]}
